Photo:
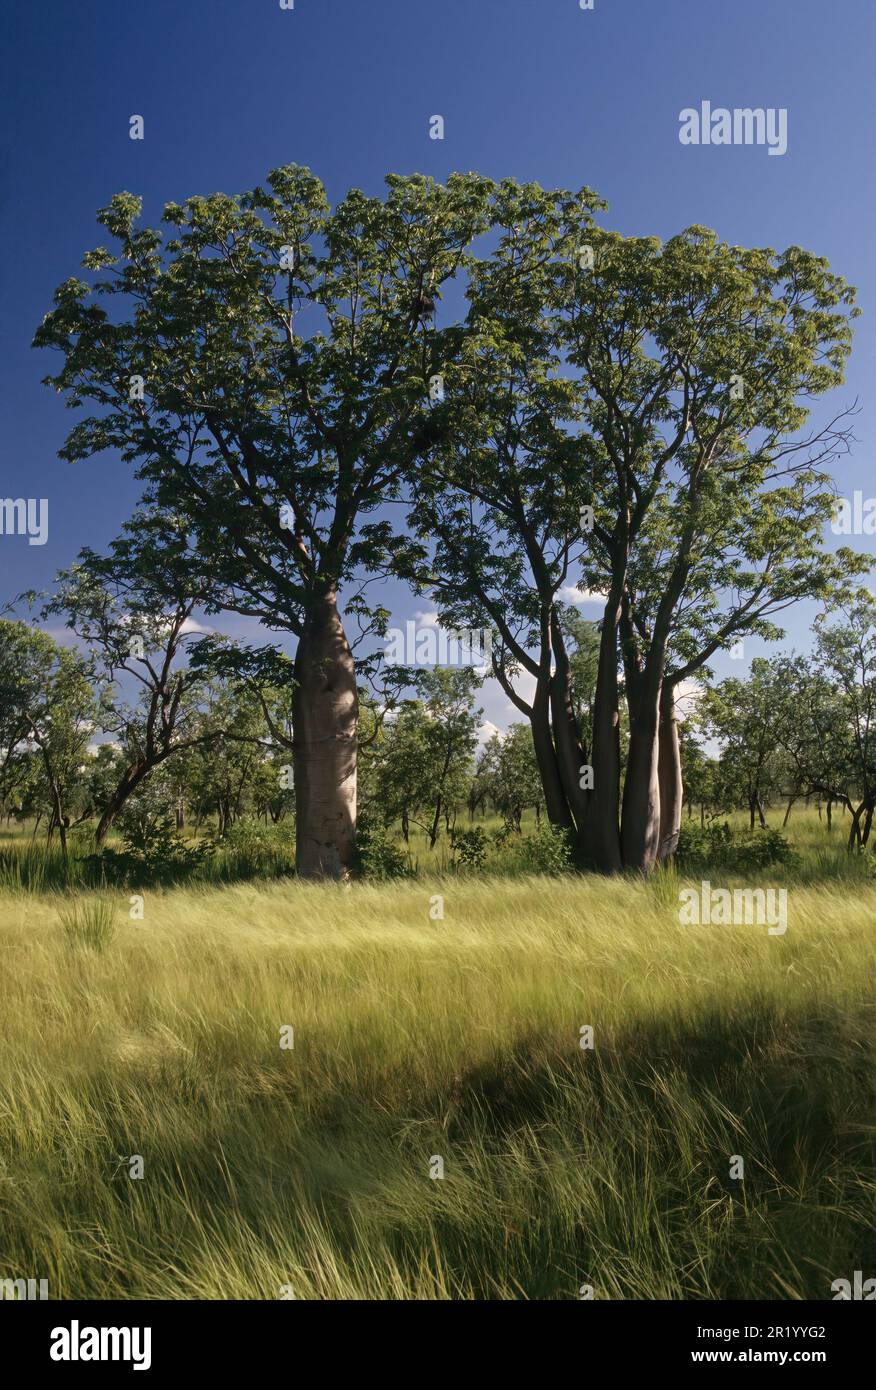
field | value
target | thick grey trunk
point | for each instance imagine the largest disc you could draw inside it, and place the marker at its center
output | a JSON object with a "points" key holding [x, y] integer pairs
{"points": [[640, 820], [325, 720]]}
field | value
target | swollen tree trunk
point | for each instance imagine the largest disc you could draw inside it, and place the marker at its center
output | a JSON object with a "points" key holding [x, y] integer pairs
{"points": [[325, 721], [602, 837], [640, 823], [669, 776]]}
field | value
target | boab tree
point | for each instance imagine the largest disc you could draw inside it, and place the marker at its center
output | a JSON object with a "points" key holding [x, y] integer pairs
{"points": [[666, 388], [267, 370]]}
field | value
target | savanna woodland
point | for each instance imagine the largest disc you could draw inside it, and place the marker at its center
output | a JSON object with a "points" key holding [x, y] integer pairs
{"points": [[390, 1003]]}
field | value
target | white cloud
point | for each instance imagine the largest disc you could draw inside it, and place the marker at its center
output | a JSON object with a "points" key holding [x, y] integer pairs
{"points": [[570, 593]]}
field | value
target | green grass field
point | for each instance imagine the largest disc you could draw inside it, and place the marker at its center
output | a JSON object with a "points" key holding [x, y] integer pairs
{"points": [[271, 1172]]}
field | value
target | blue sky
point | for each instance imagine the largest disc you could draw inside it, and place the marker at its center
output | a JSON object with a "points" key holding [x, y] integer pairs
{"points": [[537, 89]]}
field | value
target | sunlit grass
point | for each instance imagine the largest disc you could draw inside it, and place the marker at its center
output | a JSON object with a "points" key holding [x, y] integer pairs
{"points": [[308, 1169]]}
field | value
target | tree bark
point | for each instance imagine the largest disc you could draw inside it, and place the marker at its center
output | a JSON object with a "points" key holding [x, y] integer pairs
{"points": [[640, 816], [570, 752], [602, 834], [556, 804], [128, 784], [669, 776], [325, 721]]}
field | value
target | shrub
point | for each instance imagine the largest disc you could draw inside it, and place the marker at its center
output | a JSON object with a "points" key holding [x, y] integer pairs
{"points": [[546, 851], [469, 848], [378, 856], [251, 849], [738, 851], [256, 837], [154, 852]]}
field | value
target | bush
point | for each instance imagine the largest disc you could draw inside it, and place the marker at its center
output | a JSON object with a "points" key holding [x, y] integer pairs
{"points": [[738, 851], [154, 852], [469, 848], [256, 837], [546, 851], [378, 856], [252, 849]]}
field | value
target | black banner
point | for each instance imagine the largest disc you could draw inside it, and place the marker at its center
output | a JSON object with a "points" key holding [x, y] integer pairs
{"points": [[84, 1339]]}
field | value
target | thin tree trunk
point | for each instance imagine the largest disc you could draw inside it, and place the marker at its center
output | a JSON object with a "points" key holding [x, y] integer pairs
{"points": [[603, 831], [855, 828], [548, 767], [571, 754], [436, 819], [128, 784], [669, 776]]}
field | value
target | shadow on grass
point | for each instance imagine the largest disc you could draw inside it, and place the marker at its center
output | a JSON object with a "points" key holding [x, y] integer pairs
{"points": [[609, 1166]]}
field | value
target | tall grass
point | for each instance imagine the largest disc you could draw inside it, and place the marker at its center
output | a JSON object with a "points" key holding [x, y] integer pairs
{"points": [[89, 923], [308, 1169]]}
